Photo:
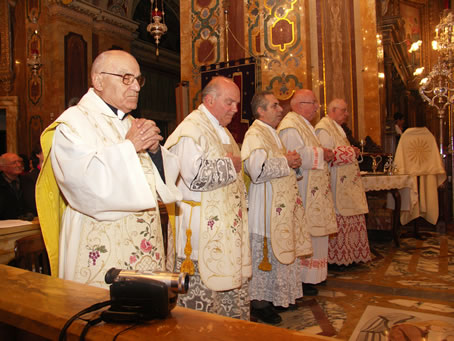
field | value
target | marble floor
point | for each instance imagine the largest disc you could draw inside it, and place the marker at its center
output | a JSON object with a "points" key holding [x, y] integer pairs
{"points": [[404, 293]]}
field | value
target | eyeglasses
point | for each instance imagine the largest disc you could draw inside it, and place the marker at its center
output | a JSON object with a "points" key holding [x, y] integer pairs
{"points": [[313, 102], [128, 78], [343, 110]]}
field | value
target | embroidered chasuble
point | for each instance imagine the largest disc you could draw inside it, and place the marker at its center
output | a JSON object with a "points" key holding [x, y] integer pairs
{"points": [[220, 240], [417, 155], [314, 184], [348, 190], [97, 197], [289, 236]]}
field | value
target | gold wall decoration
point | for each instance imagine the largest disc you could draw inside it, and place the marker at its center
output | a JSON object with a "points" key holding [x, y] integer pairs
{"points": [[276, 33], [202, 40], [35, 88], [35, 81], [282, 31], [314, 44], [33, 10]]}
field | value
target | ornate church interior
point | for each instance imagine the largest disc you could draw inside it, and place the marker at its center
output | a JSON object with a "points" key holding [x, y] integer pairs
{"points": [[392, 62]]}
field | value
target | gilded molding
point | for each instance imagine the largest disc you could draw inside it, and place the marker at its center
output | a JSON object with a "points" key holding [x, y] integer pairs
{"points": [[112, 29], [102, 20], [118, 21], [58, 10]]}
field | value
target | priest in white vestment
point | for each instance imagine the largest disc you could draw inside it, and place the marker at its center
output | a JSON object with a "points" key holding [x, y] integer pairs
{"points": [[350, 244], [278, 235], [102, 177], [297, 133], [211, 229]]}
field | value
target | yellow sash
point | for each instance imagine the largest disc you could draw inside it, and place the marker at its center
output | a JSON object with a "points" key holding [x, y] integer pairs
{"points": [[50, 204]]}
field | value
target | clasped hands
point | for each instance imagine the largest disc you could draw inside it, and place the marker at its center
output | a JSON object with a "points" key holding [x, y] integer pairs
{"points": [[144, 135], [293, 159], [236, 161], [357, 151], [328, 154]]}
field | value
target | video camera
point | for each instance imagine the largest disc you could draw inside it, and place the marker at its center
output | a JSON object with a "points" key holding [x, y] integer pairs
{"points": [[142, 295]]}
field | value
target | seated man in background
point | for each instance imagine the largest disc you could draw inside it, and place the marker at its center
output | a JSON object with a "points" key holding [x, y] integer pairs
{"points": [[12, 204], [102, 176], [30, 178]]}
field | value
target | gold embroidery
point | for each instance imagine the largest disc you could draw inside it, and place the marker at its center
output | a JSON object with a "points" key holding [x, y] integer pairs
{"points": [[418, 151]]}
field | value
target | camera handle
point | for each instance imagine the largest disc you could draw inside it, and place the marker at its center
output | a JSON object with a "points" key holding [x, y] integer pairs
{"points": [[111, 316]]}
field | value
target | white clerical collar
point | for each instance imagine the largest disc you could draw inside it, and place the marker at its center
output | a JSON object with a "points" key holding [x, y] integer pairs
{"points": [[214, 121], [120, 114]]}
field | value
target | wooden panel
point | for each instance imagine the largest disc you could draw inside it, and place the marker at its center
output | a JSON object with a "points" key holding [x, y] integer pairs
{"points": [[42, 304], [75, 68]]}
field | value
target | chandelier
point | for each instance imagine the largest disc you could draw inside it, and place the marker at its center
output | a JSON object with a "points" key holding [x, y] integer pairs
{"points": [[157, 28], [437, 89], [444, 35]]}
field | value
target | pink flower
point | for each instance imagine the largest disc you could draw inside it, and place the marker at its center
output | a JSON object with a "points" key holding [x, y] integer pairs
{"points": [[157, 255], [298, 201], [132, 259], [278, 210], [145, 245], [240, 213]]}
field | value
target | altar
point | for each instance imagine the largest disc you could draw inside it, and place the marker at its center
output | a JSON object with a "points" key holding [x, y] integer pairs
{"points": [[402, 190], [12, 230]]}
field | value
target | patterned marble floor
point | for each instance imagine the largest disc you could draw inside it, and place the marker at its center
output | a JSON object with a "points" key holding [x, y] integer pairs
{"points": [[411, 284]]}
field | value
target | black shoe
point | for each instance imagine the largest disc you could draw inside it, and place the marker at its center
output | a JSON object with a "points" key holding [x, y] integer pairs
{"points": [[290, 307], [337, 268], [267, 315], [309, 290]]}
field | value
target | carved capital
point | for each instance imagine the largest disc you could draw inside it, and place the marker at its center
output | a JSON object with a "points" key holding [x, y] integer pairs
{"points": [[6, 82]]}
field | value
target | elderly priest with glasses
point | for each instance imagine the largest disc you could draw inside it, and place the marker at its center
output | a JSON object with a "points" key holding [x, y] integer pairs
{"points": [[102, 177]]}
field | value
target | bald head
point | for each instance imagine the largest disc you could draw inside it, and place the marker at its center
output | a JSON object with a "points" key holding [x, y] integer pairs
{"points": [[107, 74], [337, 110], [305, 103], [221, 97], [11, 165]]}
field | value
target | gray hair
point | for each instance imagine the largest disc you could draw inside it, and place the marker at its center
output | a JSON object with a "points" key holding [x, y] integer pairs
{"points": [[259, 101], [334, 104]]}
